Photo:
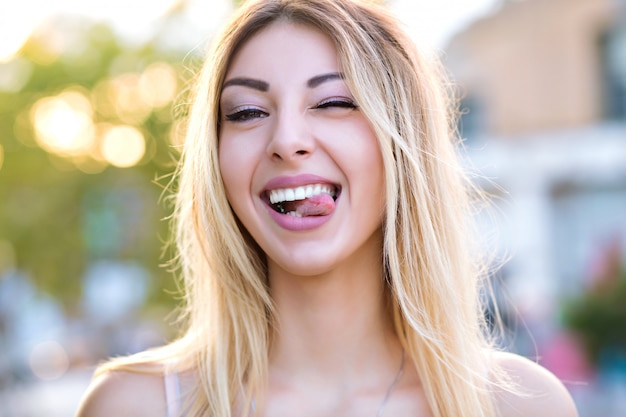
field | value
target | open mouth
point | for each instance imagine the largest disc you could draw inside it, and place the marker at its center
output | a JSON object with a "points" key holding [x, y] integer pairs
{"points": [[303, 201]]}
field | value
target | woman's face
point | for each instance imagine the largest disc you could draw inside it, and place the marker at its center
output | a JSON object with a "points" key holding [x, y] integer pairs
{"points": [[300, 163]]}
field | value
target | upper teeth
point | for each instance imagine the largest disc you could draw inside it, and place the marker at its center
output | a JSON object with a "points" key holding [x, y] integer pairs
{"points": [[299, 193]]}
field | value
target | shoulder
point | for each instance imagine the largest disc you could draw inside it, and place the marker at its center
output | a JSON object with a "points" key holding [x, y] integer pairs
{"points": [[128, 394], [538, 392]]}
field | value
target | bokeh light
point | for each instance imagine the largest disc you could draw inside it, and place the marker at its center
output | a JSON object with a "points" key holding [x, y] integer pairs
{"points": [[123, 146], [63, 124], [49, 360], [158, 84], [14, 74], [102, 97], [47, 43], [127, 99]]}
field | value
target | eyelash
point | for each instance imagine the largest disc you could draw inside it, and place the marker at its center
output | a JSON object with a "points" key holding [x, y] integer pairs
{"points": [[252, 113], [245, 114], [336, 102]]}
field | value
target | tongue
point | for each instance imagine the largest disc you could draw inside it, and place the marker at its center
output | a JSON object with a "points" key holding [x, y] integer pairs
{"points": [[317, 205]]}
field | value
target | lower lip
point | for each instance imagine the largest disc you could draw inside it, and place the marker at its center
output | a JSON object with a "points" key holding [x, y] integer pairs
{"points": [[297, 224]]}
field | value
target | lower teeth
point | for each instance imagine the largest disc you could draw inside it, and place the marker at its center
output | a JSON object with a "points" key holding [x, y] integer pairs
{"points": [[281, 209]]}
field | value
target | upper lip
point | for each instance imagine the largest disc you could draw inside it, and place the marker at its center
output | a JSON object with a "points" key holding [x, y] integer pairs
{"points": [[296, 181]]}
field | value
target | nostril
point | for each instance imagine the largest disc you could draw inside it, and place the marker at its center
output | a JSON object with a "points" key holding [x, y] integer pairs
{"points": [[301, 152]]}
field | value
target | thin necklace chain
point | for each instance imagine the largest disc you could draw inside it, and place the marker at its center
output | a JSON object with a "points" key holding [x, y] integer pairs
{"points": [[379, 413]]}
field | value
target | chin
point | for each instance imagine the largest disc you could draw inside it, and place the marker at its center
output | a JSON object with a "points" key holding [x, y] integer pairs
{"points": [[306, 265]]}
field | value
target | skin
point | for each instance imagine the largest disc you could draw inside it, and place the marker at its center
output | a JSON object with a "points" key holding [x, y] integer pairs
{"points": [[335, 353]]}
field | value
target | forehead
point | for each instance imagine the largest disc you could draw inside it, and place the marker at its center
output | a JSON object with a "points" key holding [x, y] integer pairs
{"points": [[284, 48]]}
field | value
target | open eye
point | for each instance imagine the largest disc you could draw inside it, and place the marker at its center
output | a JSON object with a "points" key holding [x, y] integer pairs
{"points": [[343, 103], [245, 114]]}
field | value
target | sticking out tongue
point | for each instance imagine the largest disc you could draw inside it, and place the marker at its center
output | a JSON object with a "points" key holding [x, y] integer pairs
{"points": [[316, 205]]}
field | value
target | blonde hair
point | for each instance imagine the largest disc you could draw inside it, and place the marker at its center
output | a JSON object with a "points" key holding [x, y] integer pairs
{"points": [[432, 279]]}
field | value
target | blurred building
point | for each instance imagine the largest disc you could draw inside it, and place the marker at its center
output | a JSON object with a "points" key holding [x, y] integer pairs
{"points": [[543, 98], [543, 88]]}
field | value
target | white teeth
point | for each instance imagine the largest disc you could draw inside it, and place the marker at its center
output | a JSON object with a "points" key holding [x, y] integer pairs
{"points": [[290, 194], [299, 193]]}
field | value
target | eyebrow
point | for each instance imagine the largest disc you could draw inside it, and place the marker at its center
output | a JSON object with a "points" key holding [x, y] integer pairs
{"points": [[319, 79], [264, 86], [248, 82]]}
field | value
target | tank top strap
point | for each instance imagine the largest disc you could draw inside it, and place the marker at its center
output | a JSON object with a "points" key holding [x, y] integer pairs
{"points": [[172, 393]]}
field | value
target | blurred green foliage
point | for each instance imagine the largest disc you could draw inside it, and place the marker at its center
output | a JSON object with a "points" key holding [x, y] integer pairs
{"points": [[598, 316], [61, 212]]}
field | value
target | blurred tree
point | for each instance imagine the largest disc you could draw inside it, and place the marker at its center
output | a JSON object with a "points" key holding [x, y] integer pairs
{"points": [[87, 124], [598, 315]]}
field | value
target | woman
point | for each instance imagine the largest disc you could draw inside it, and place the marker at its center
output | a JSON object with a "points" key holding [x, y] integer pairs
{"points": [[322, 226]]}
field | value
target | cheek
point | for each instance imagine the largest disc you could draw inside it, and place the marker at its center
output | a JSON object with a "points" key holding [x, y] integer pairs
{"points": [[239, 158], [231, 164], [359, 150], [370, 154], [362, 163]]}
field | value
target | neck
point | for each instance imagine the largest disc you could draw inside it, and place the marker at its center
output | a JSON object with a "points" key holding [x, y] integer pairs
{"points": [[336, 325]]}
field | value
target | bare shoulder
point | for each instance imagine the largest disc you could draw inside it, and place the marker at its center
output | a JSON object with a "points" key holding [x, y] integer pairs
{"points": [[124, 394], [541, 393]]}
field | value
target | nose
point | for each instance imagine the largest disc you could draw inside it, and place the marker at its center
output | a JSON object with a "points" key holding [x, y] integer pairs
{"points": [[291, 138]]}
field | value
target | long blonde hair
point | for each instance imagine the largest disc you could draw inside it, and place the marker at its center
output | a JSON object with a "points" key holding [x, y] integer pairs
{"points": [[433, 280]]}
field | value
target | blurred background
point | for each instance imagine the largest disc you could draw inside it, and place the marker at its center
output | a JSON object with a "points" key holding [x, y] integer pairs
{"points": [[92, 111]]}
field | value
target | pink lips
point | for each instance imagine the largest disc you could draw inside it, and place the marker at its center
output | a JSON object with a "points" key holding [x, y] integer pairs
{"points": [[295, 223]]}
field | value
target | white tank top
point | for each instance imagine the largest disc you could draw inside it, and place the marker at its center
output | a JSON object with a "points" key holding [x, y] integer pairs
{"points": [[172, 394]]}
